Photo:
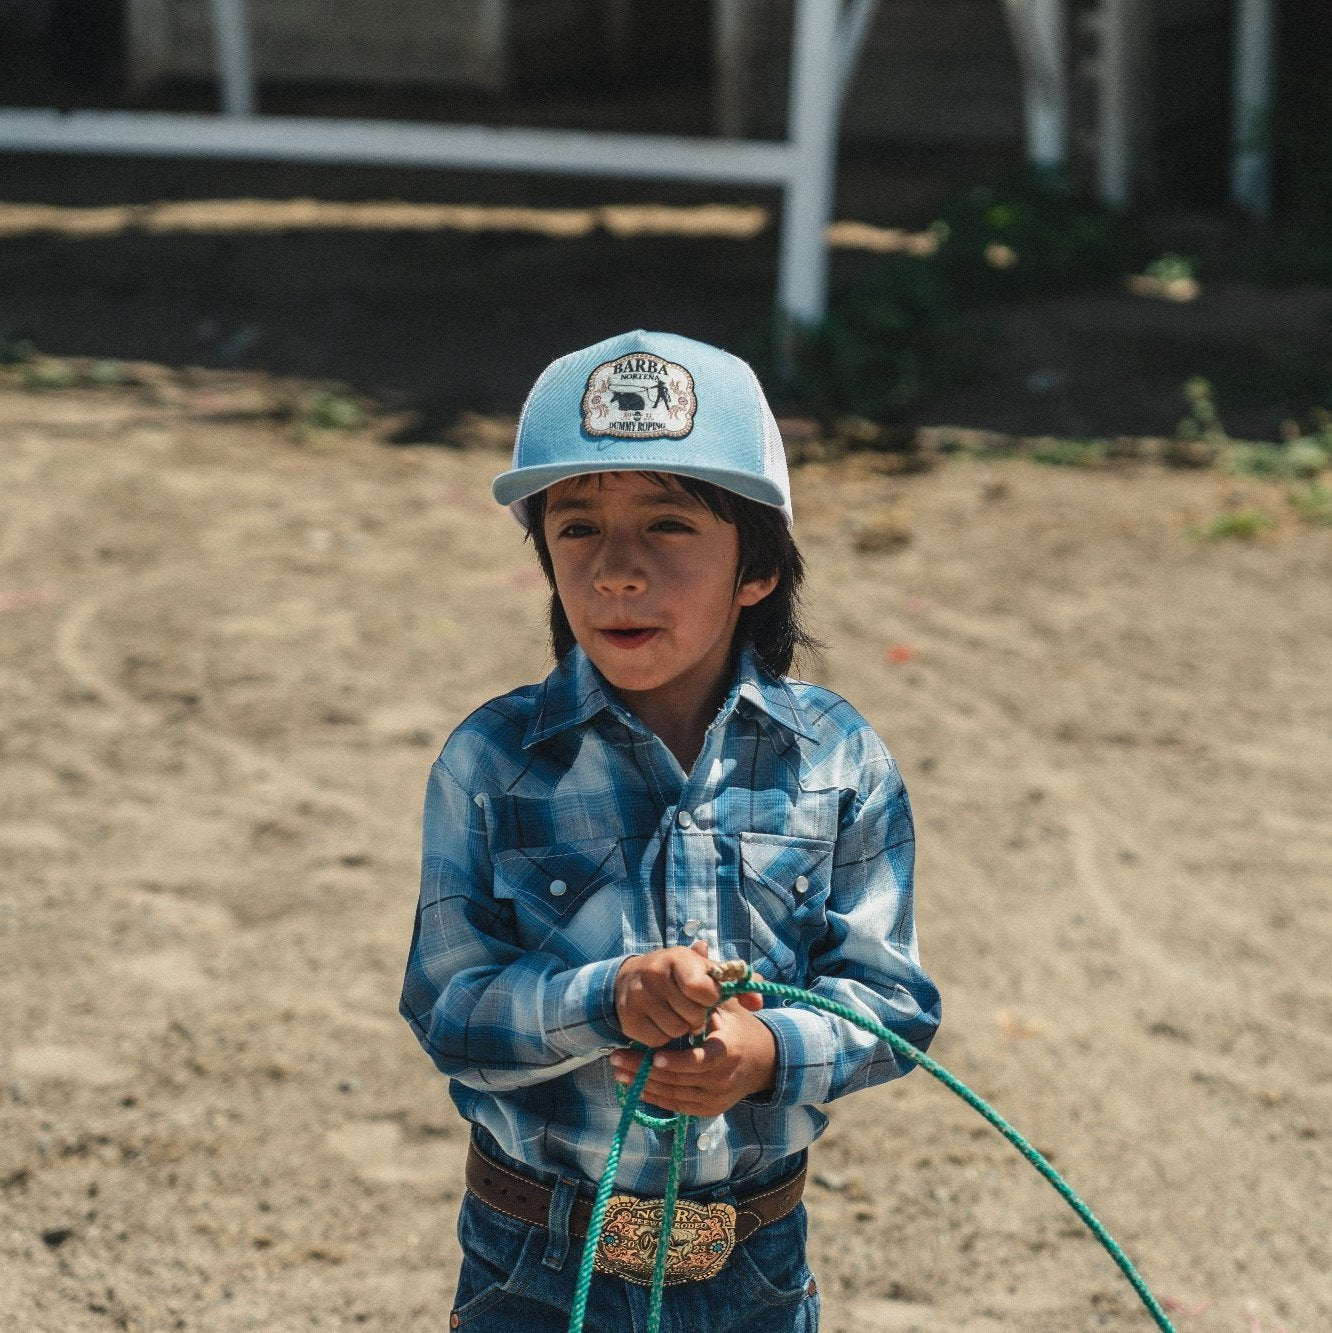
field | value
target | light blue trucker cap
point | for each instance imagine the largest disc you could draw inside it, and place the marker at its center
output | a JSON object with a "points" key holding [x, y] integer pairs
{"points": [[648, 402]]}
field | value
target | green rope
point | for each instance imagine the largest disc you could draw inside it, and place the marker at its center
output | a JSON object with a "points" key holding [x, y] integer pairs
{"points": [[679, 1125], [598, 1217]]}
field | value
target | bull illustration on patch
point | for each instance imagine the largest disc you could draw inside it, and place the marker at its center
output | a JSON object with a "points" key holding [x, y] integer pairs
{"points": [[639, 397]]}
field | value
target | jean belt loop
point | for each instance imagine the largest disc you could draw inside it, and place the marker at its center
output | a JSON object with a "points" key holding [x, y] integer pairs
{"points": [[562, 1198]]}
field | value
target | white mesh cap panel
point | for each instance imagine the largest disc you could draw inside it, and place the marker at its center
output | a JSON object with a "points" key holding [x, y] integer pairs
{"points": [[774, 451]]}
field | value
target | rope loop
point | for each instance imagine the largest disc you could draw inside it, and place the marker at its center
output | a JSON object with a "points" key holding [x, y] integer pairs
{"points": [[735, 978]]}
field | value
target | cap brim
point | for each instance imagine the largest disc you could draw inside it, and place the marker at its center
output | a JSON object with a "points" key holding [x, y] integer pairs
{"points": [[515, 487]]}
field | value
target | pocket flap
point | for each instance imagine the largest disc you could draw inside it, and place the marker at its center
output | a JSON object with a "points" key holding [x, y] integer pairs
{"points": [[797, 870], [555, 880]]}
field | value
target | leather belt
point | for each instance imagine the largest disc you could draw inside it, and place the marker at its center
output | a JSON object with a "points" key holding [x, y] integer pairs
{"points": [[521, 1197]]}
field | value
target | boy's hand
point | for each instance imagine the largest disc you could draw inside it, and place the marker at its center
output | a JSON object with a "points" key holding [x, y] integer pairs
{"points": [[667, 994], [738, 1059]]}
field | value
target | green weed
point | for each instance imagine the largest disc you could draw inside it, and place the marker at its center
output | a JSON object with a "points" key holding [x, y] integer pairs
{"points": [[1243, 524], [1298, 459], [1313, 503], [1070, 453], [105, 374], [48, 372], [1203, 421], [326, 410], [1171, 268], [16, 350]]}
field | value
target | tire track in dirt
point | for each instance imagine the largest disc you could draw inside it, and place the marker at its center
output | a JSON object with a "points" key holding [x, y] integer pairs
{"points": [[13, 536], [14, 528], [253, 770], [1276, 751], [1083, 839]]}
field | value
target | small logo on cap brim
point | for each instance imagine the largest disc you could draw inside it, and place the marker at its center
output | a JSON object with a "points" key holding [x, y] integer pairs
{"points": [[639, 397]]}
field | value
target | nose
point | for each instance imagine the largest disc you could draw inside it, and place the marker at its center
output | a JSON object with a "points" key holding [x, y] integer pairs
{"points": [[618, 570]]}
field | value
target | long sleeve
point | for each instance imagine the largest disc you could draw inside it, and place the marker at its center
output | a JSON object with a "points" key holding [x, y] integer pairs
{"points": [[487, 1012], [867, 960]]}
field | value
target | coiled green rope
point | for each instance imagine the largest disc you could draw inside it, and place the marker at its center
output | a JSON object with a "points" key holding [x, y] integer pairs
{"points": [[680, 1124]]}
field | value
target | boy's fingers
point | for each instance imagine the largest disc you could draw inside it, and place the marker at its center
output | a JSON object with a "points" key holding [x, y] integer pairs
{"points": [[688, 1010], [690, 970], [661, 1027]]}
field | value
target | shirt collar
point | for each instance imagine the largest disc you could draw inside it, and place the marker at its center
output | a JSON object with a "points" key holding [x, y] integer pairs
{"points": [[770, 695], [571, 696], [575, 692]]}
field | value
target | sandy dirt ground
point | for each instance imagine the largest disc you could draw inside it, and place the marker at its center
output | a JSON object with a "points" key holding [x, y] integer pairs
{"points": [[227, 659]]}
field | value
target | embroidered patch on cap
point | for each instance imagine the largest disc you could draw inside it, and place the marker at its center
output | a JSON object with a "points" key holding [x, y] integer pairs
{"points": [[639, 397]]}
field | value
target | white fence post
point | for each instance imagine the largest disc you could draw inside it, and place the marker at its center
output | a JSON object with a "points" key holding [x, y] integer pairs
{"points": [[235, 58], [1250, 176], [732, 66], [1039, 33], [815, 106], [852, 32], [1119, 22]]}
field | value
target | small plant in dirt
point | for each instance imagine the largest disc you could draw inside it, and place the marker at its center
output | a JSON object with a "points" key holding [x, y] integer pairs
{"points": [[48, 372], [327, 410], [1321, 430], [1200, 435], [1245, 524], [1171, 268], [105, 374], [1169, 278], [1295, 460], [1310, 449], [1070, 453], [1313, 503], [16, 350]]}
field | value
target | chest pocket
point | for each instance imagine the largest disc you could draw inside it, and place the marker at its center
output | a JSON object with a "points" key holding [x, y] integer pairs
{"points": [[563, 897], [786, 886]]}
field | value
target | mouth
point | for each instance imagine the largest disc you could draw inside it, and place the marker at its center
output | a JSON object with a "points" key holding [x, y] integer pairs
{"points": [[629, 638]]}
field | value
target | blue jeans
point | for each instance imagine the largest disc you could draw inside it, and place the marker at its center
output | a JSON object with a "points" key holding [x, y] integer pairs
{"points": [[517, 1278]]}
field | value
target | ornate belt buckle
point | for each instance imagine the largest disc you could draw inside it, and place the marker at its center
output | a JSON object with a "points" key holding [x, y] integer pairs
{"points": [[701, 1240]]}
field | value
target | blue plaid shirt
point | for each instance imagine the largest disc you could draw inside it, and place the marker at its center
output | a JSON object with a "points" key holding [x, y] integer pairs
{"points": [[562, 836]]}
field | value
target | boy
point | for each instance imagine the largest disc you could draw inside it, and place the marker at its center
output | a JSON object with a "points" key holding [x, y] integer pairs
{"points": [[666, 797]]}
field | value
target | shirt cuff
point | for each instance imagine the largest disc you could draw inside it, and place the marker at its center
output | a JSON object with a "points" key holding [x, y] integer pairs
{"points": [[589, 1020], [806, 1054]]}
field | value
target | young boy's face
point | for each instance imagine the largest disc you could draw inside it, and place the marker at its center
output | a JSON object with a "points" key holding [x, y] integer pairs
{"points": [[647, 575]]}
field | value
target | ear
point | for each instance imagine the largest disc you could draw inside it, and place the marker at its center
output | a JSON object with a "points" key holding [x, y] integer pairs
{"points": [[755, 590]]}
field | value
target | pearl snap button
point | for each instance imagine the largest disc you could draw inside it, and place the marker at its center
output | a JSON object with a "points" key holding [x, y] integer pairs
{"points": [[684, 819], [691, 926], [705, 1142], [557, 887], [801, 883]]}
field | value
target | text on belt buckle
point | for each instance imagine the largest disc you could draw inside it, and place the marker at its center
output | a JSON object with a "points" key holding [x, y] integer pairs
{"points": [[701, 1242]]}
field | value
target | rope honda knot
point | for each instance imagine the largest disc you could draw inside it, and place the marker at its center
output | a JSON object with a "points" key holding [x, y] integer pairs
{"points": [[735, 970]]}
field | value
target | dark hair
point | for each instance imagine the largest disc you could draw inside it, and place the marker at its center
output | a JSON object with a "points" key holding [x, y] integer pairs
{"points": [[771, 626]]}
